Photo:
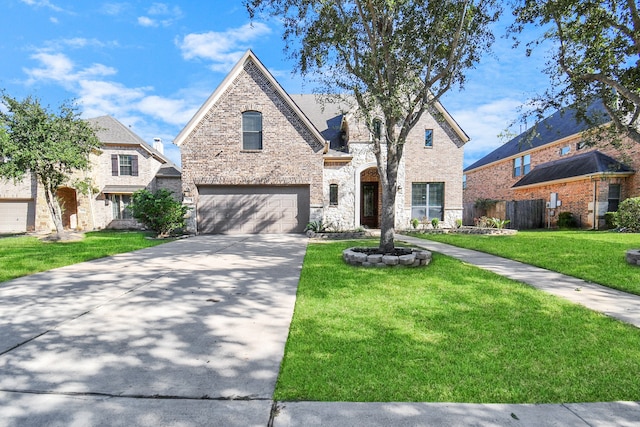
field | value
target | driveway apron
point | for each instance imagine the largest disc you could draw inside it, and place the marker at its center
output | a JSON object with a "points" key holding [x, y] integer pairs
{"points": [[188, 332]]}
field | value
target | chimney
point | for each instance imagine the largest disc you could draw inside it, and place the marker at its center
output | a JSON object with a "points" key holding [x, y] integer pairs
{"points": [[158, 146]]}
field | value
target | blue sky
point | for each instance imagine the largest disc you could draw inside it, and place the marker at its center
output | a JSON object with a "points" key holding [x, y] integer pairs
{"points": [[151, 65]]}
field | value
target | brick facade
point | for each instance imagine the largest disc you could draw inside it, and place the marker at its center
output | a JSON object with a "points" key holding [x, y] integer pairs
{"points": [[580, 196], [212, 154], [295, 153]]}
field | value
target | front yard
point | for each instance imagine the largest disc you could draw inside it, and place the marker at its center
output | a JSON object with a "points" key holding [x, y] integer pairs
{"points": [[23, 255], [595, 256], [447, 333]]}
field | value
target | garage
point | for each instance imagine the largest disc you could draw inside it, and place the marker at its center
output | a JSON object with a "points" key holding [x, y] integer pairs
{"points": [[16, 216], [252, 209]]}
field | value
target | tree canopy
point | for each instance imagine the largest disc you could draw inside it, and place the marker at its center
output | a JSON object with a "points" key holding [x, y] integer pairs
{"points": [[49, 144], [596, 58], [395, 58]]}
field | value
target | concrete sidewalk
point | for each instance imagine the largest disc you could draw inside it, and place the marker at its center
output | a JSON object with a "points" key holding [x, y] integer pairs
{"points": [[188, 333]]}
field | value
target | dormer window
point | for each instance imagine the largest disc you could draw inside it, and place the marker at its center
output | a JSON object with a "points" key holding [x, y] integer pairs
{"points": [[252, 130]]}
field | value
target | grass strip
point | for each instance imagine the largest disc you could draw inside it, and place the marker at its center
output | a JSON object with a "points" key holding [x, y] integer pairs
{"points": [[24, 255], [595, 256], [447, 333]]}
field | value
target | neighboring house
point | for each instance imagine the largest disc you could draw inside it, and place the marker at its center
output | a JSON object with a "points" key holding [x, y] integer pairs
{"points": [[256, 159], [124, 164], [551, 162]]}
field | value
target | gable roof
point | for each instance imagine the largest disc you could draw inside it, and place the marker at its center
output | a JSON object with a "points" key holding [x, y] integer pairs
{"points": [[237, 69], [112, 132], [581, 165], [561, 124]]}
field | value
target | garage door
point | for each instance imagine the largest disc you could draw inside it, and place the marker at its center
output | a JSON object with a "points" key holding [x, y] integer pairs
{"points": [[16, 216], [252, 209]]}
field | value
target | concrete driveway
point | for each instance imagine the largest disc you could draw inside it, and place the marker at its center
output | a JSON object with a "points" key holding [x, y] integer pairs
{"points": [[187, 333]]}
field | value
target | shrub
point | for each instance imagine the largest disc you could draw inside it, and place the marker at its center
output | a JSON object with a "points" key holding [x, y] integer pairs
{"points": [[611, 219], [435, 222], [415, 222], [158, 211], [316, 227], [566, 220], [629, 215], [497, 223]]}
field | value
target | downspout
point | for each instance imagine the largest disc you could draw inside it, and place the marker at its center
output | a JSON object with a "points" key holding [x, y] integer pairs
{"points": [[595, 203]]}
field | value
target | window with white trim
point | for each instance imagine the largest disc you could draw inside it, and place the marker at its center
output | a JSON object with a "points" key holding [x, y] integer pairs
{"points": [[124, 165], [252, 130], [521, 165], [427, 200]]}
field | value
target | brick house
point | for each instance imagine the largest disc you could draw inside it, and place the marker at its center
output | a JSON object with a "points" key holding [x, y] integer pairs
{"points": [[124, 164], [551, 162], [256, 159]]}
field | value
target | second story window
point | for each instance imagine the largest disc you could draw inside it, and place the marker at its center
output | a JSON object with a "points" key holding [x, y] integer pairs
{"points": [[521, 165], [124, 165], [252, 130], [428, 138]]}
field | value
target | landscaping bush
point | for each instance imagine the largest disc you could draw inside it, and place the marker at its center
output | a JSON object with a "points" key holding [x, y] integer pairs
{"points": [[566, 220], [611, 219], [158, 211], [629, 215]]}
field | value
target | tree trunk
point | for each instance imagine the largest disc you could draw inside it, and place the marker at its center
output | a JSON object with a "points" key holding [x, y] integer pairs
{"points": [[389, 181], [54, 209]]}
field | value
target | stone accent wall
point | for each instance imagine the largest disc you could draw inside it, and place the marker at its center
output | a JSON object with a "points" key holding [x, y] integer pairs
{"points": [[495, 180], [212, 154]]}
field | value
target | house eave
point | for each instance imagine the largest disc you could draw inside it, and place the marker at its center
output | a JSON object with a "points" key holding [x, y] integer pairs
{"points": [[590, 176]]}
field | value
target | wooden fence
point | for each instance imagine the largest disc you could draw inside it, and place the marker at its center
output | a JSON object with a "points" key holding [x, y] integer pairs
{"points": [[522, 214]]}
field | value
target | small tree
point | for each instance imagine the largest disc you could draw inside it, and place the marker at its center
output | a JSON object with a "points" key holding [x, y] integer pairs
{"points": [[596, 45], [393, 59], [50, 145], [158, 211]]}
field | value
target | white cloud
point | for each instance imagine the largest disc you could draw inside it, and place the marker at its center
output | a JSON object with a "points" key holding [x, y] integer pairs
{"points": [[42, 3], [164, 15], [114, 9], [174, 111], [145, 21], [484, 122], [59, 68], [223, 49]]}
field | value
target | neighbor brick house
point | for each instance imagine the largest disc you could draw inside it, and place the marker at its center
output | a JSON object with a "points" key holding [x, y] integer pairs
{"points": [[256, 159], [124, 164], [551, 162]]}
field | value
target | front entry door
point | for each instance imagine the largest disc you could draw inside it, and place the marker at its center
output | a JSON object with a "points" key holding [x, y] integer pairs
{"points": [[369, 204]]}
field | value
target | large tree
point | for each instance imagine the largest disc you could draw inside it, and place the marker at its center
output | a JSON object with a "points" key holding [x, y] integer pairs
{"points": [[596, 57], [49, 144], [395, 58]]}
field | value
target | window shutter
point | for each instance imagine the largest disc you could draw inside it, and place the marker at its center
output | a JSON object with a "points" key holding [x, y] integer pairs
{"points": [[114, 165], [134, 165]]}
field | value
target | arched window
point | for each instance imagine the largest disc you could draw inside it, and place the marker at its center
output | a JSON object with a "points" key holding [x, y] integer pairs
{"points": [[252, 130]]}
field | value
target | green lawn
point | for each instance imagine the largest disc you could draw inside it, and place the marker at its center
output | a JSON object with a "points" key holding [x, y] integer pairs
{"points": [[595, 256], [20, 256], [447, 333]]}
